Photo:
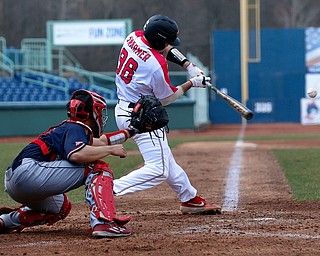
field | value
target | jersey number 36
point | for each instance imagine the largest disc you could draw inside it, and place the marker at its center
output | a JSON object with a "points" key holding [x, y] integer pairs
{"points": [[126, 66]]}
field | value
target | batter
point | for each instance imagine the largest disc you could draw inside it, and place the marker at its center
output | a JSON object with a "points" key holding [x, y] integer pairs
{"points": [[143, 70]]}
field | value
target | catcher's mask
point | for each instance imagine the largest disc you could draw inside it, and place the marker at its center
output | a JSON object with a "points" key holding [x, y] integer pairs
{"points": [[84, 105], [160, 29]]}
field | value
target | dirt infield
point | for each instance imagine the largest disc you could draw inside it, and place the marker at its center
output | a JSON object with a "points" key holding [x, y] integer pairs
{"points": [[262, 220]]}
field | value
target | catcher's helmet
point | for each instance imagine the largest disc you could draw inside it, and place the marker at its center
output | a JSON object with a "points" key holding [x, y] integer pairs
{"points": [[160, 29], [84, 105]]}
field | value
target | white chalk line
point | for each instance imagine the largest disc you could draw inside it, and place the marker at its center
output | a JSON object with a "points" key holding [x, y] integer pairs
{"points": [[41, 243], [32, 244], [241, 228], [37, 243], [214, 229], [232, 184], [208, 228]]}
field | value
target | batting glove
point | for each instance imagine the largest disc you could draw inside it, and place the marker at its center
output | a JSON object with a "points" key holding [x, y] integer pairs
{"points": [[194, 71], [201, 81]]}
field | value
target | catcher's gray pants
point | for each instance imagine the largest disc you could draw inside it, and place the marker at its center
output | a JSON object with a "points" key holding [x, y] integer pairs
{"points": [[40, 186]]}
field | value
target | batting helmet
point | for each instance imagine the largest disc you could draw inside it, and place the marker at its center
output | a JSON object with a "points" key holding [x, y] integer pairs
{"points": [[84, 105], [159, 30]]}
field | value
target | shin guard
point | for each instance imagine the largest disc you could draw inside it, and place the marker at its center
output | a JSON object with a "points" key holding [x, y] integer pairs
{"points": [[102, 192]]}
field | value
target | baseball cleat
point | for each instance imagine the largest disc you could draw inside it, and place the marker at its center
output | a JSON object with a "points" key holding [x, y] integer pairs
{"points": [[111, 230], [198, 205], [123, 220], [5, 210], [2, 229]]}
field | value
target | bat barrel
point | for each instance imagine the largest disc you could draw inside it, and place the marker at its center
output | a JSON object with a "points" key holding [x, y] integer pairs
{"points": [[236, 105], [248, 115]]}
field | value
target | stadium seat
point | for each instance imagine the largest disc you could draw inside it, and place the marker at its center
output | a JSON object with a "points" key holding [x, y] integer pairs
{"points": [[13, 89]]}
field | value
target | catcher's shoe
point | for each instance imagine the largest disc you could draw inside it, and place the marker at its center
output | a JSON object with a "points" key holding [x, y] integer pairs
{"points": [[6, 210], [198, 205], [122, 220], [111, 230]]}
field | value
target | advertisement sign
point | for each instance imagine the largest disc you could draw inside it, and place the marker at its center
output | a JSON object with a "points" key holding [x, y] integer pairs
{"points": [[312, 42], [310, 108], [90, 32], [312, 81], [310, 111]]}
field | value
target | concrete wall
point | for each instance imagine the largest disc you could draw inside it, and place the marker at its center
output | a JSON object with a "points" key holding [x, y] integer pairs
{"points": [[30, 119]]}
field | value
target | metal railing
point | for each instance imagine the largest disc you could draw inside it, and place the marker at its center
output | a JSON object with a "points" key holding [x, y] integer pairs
{"points": [[46, 80], [6, 65], [96, 81], [34, 52], [61, 56], [91, 77]]}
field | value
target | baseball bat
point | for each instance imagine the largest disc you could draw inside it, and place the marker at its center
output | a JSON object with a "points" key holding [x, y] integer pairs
{"points": [[174, 55], [236, 105]]}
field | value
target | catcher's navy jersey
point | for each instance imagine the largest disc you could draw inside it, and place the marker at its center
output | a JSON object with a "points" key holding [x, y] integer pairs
{"points": [[60, 141]]}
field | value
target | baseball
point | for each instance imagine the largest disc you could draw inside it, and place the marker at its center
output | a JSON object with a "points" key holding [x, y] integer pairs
{"points": [[312, 92]]}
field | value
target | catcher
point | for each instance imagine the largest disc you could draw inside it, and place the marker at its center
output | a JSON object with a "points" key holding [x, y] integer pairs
{"points": [[64, 158]]}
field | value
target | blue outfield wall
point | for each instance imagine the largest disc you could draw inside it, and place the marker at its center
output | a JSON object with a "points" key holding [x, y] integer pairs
{"points": [[276, 83]]}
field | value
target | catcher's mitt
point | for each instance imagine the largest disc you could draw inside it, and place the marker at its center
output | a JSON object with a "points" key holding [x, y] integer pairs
{"points": [[148, 114]]}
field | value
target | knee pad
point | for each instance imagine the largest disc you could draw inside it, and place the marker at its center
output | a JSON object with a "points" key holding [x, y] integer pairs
{"points": [[30, 217], [64, 212]]}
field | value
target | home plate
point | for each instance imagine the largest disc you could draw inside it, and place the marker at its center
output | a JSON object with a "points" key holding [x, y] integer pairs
{"points": [[241, 144]]}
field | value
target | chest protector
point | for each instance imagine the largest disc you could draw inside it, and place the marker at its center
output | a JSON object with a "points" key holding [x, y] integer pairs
{"points": [[48, 151]]}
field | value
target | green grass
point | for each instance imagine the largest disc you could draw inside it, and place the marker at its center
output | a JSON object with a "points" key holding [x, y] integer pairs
{"points": [[301, 168], [300, 165], [290, 136], [8, 152]]}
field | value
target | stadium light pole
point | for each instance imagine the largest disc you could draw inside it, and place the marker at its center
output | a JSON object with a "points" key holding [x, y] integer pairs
{"points": [[244, 50], [249, 18]]}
